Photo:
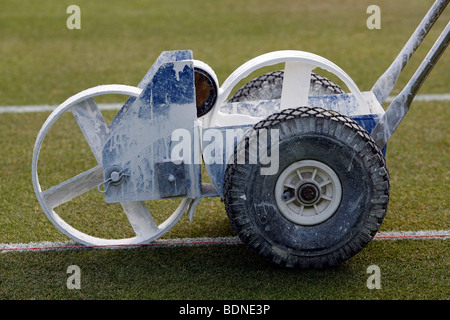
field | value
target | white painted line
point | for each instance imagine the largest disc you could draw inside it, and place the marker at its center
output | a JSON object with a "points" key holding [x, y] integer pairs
{"points": [[185, 242], [413, 235], [67, 245], [426, 97], [47, 108], [117, 106]]}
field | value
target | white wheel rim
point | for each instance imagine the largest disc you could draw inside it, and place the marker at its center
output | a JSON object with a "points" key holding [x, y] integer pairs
{"points": [[137, 213], [308, 192]]}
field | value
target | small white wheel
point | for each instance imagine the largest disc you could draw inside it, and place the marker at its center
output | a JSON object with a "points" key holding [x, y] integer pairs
{"points": [[308, 192], [95, 131]]}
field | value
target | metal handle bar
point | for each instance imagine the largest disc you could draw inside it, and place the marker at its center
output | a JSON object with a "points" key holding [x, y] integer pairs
{"points": [[384, 85], [400, 105]]}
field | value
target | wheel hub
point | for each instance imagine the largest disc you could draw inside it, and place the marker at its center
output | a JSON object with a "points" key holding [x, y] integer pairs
{"points": [[308, 192]]}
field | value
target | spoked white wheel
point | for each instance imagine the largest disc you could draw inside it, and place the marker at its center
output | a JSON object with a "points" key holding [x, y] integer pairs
{"points": [[80, 188], [308, 192]]}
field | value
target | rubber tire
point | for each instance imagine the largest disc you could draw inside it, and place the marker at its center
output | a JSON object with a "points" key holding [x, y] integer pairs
{"points": [[268, 86], [343, 145]]}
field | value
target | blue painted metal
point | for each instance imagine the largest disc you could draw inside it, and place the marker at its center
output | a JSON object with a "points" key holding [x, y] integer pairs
{"points": [[216, 169], [171, 178], [164, 57], [345, 104], [368, 122], [140, 140]]}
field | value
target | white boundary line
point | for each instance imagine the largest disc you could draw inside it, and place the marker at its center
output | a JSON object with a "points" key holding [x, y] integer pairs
{"points": [[47, 108], [117, 106], [427, 97], [185, 242]]}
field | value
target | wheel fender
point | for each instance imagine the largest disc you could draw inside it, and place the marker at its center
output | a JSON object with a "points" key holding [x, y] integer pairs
{"points": [[286, 56]]}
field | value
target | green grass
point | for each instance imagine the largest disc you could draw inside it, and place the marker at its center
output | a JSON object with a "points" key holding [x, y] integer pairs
{"points": [[42, 62], [224, 272]]}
